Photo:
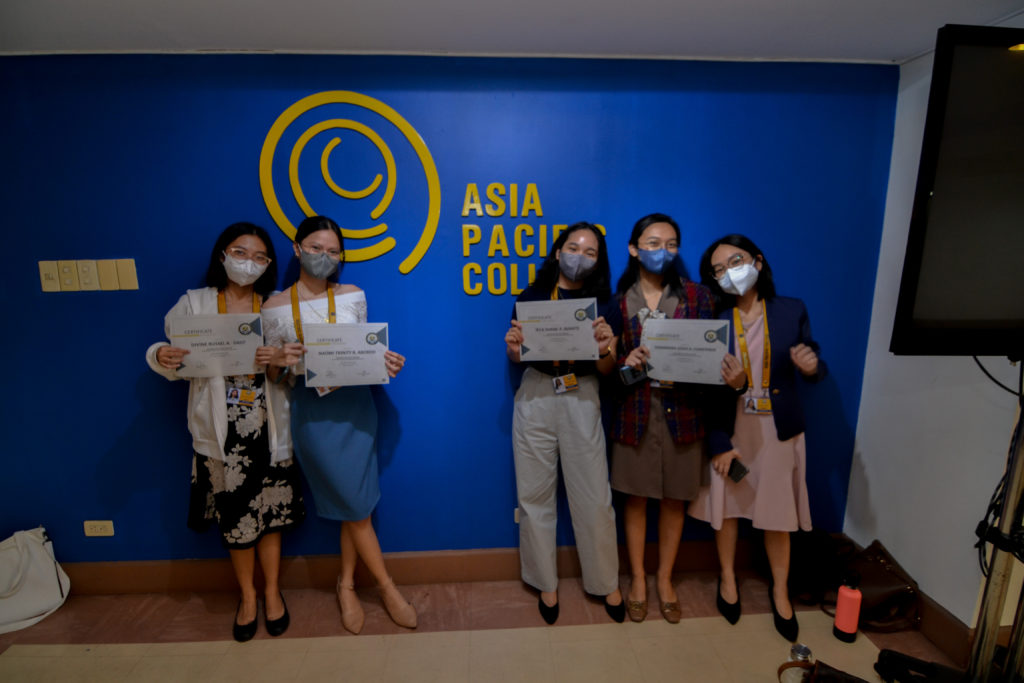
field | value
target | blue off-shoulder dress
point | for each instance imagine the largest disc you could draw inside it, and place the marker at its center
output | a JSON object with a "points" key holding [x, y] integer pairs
{"points": [[334, 436]]}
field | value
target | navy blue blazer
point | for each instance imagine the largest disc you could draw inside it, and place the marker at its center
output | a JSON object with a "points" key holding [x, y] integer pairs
{"points": [[788, 325]]}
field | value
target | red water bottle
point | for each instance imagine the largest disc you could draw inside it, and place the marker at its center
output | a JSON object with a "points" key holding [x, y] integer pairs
{"points": [[847, 610]]}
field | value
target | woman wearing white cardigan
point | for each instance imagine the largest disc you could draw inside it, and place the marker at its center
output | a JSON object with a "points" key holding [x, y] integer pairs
{"points": [[243, 474]]}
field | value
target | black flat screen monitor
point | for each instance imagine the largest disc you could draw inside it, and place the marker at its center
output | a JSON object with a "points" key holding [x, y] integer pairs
{"points": [[962, 291]]}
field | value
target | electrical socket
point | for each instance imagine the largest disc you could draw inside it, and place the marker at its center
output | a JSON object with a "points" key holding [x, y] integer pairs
{"points": [[99, 527]]}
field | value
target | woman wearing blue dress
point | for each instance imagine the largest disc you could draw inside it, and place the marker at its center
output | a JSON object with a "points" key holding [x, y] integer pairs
{"points": [[334, 432]]}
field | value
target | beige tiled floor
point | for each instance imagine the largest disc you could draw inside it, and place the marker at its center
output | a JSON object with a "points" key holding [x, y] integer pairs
{"points": [[483, 631], [702, 649]]}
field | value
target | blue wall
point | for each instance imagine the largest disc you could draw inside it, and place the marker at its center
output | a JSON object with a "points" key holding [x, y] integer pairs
{"points": [[149, 157]]}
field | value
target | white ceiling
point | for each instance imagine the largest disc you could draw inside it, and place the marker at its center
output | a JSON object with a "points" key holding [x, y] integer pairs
{"points": [[841, 30]]}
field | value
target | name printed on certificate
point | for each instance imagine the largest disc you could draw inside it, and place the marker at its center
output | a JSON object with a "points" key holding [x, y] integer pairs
{"points": [[345, 354], [218, 345], [686, 350], [562, 329]]}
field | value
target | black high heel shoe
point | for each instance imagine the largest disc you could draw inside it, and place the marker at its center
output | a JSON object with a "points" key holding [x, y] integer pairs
{"points": [[548, 613], [616, 612], [787, 628], [245, 632], [729, 610], [276, 627]]}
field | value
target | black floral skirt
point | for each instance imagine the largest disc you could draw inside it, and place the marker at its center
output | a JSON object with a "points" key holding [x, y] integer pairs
{"points": [[247, 495]]}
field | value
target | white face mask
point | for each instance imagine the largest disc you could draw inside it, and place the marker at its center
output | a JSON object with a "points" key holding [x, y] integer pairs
{"points": [[243, 272], [738, 280]]}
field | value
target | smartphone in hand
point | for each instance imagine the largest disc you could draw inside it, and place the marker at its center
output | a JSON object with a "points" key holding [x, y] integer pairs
{"points": [[737, 470], [630, 376]]}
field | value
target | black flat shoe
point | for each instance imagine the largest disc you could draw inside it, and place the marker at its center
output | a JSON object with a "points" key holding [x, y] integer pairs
{"points": [[276, 627], [729, 610], [549, 614], [616, 612], [244, 632], [787, 628]]}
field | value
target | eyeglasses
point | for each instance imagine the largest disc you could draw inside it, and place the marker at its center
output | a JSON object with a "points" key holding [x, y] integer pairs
{"points": [[316, 250], [733, 261], [652, 243], [259, 258]]}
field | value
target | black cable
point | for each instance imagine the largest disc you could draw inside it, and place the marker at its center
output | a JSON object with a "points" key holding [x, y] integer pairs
{"points": [[1001, 385], [990, 522]]}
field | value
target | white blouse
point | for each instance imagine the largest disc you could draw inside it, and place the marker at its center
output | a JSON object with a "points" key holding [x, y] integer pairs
{"points": [[279, 328]]}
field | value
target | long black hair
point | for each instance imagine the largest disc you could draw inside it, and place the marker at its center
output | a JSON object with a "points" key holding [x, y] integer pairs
{"points": [[765, 285], [217, 277], [313, 224], [596, 284], [674, 274]]}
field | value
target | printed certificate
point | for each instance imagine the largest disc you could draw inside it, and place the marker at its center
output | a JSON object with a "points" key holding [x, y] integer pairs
{"points": [[686, 350], [558, 330], [218, 345], [345, 354]]}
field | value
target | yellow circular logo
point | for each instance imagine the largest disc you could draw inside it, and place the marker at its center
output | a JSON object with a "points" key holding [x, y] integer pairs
{"points": [[383, 246]]}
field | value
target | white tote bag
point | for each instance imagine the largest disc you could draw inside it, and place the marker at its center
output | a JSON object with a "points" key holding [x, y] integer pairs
{"points": [[32, 584]]}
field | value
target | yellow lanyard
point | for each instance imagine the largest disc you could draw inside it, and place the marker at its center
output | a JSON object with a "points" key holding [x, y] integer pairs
{"points": [[766, 360], [297, 318], [222, 303]]}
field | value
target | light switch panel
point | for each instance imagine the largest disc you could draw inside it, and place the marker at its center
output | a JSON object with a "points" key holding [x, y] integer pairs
{"points": [[67, 271], [107, 271], [49, 278], [88, 279], [127, 278]]}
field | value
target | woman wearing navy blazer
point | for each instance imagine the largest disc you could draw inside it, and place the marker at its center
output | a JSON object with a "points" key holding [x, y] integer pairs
{"points": [[757, 420]]}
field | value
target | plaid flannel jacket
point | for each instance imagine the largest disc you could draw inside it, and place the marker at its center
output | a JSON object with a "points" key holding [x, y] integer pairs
{"points": [[682, 402]]}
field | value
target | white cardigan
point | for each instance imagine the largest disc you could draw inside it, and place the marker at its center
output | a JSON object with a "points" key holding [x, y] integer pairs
{"points": [[207, 404]]}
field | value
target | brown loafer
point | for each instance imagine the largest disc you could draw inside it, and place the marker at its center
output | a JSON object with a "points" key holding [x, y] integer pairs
{"points": [[671, 612], [637, 610]]}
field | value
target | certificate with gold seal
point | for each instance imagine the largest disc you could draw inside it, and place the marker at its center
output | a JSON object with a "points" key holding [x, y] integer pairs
{"points": [[345, 354], [686, 350], [561, 329], [217, 345]]}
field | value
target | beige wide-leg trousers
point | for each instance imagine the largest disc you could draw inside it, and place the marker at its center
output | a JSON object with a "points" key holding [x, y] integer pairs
{"points": [[548, 428]]}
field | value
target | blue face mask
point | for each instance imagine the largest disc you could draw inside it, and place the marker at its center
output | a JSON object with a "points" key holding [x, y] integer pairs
{"points": [[654, 260]]}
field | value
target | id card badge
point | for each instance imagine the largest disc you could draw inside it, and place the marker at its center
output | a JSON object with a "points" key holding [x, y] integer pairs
{"points": [[757, 406], [323, 391], [662, 383], [564, 383], [238, 396]]}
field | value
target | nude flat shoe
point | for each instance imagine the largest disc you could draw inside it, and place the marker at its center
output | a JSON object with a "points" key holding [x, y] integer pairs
{"points": [[399, 609], [352, 617]]}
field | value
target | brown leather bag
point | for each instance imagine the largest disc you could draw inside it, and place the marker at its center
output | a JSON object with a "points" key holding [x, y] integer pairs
{"points": [[890, 599], [820, 672]]}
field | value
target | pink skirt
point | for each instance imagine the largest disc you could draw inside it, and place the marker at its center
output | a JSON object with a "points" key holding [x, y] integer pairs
{"points": [[773, 496]]}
